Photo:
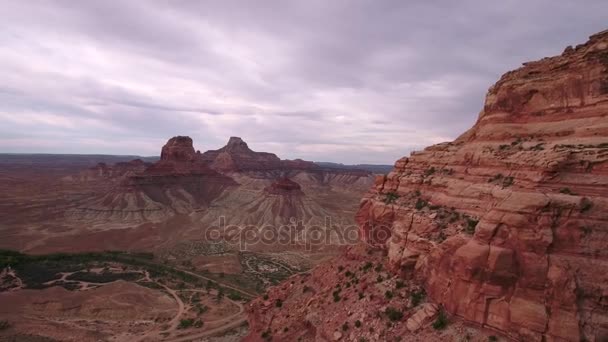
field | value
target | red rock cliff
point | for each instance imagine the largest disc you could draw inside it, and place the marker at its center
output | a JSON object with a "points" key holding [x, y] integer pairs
{"points": [[505, 228], [506, 225]]}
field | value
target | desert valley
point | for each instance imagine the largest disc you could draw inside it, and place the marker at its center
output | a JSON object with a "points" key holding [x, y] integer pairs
{"points": [[497, 235]]}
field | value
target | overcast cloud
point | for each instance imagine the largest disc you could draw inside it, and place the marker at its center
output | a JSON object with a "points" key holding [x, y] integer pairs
{"points": [[345, 81]]}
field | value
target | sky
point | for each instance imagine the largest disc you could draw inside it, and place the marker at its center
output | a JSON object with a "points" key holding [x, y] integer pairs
{"points": [[357, 81]]}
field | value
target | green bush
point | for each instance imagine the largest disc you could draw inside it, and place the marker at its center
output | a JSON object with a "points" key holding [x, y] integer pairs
{"points": [[185, 323], [393, 314], [391, 197], [417, 297], [420, 204], [429, 171], [441, 322], [471, 224], [586, 204]]}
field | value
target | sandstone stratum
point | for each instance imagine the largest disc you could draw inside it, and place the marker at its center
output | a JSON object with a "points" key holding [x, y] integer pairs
{"points": [[500, 232]]}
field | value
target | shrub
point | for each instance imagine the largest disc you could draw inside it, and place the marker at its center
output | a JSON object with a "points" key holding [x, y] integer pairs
{"points": [[368, 265], [420, 204], [306, 289], [417, 297], [441, 322], [586, 204], [378, 267], [393, 314], [201, 309], [4, 325], [388, 294], [278, 303], [400, 284], [235, 296], [349, 274], [336, 295], [566, 191], [358, 323], [391, 197], [185, 323], [198, 324], [345, 326], [471, 224], [265, 297], [503, 147], [507, 182], [266, 335], [379, 279], [361, 295], [492, 338], [429, 171], [340, 268]]}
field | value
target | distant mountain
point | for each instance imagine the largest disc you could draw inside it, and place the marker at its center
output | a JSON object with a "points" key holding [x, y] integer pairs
{"points": [[74, 160], [367, 167]]}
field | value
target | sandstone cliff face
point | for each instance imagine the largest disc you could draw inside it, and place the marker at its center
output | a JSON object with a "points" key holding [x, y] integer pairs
{"points": [[504, 227]]}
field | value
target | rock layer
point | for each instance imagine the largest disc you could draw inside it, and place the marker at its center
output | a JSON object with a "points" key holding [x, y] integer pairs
{"points": [[505, 226]]}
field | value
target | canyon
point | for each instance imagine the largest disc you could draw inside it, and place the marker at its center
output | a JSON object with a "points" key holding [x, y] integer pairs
{"points": [[500, 232]]}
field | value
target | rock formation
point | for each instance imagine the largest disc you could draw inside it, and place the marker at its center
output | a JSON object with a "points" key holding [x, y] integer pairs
{"points": [[283, 186], [505, 227], [237, 156]]}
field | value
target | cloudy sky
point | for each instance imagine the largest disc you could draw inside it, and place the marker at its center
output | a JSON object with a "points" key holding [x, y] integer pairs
{"points": [[347, 81]]}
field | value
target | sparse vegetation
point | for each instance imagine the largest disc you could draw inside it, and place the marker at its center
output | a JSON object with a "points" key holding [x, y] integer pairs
{"points": [[417, 297], [566, 191], [430, 171], [4, 325], [441, 322], [471, 225], [586, 204], [185, 323], [538, 147], [235, 296], [393, 314], [391, 197], [492, 338], [420, 204], [336, 295]]}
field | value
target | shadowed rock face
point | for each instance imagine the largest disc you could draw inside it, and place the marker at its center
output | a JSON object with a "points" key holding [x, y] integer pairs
{"points": [[505, 227], [284, 186]]}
